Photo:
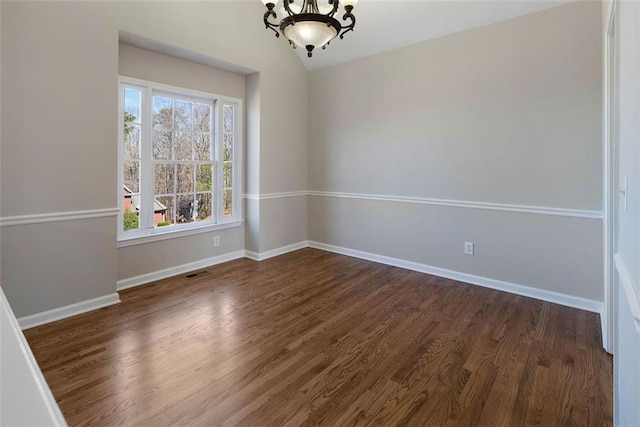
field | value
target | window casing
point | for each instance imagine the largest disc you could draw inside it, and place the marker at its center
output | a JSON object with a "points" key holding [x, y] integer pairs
{"points": [[180, 157]]}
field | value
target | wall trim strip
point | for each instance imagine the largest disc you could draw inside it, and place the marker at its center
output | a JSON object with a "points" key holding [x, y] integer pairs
{"points": [[9, 221], [275, 252], [539, 210], [632, 297], [504, 207], [68, 311], [143, 279], [526, 291], [166, 235], [268, 196]]}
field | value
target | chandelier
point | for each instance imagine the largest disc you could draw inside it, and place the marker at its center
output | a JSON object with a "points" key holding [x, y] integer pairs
{"points": [[308, 25]]}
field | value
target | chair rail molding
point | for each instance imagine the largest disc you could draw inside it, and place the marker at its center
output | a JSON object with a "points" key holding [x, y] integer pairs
{"points": [[528, 209], [43, 218], [268, 196]]}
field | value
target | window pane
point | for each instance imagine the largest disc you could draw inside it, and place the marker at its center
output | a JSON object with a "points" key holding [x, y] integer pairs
{"points": [[131, 141], [162, 113], [163, 209], [130, 208], [228, 147], [228, 118], [132, 99], [131, 220], [184, 143], [204, 205], [162, 141], [186, 208], [227, 205], [202, 146], [132, 175], [164, 178], [184, 179], [201, 118], [227, 175], [204, 178], [183, 115]]}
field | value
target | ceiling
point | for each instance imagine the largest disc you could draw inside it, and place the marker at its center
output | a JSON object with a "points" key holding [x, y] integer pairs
{"points": [[390, 24]]}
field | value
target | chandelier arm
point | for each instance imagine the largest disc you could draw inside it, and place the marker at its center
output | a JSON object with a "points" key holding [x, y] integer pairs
{"points": [[268, 25], [287, 9], [334, 10], [311, 6], [350, 27]]}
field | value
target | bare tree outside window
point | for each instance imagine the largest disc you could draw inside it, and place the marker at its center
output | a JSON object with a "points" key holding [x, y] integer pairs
{"points": [[182, 156]]}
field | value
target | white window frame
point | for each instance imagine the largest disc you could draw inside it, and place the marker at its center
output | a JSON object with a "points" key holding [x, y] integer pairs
{"points": [[147, 232]]}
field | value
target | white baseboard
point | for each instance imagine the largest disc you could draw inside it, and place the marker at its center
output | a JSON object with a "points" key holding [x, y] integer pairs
{"points": [[68, 311], [605, 330], [174, 271], [83, 307], [275, 252], [549, 296]]}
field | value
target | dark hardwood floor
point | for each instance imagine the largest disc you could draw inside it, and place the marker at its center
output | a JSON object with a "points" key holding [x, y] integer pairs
{"points": [[314, 338]]}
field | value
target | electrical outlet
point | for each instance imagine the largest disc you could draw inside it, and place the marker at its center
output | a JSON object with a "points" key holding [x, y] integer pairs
{"points": [[216, 241], [468, 248]]}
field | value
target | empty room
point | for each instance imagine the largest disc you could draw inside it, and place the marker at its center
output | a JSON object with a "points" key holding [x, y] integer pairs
{"points": [[320, 212]]}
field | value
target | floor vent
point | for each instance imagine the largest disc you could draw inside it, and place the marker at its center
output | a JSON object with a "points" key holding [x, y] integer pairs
{"points": [[197, 274]]}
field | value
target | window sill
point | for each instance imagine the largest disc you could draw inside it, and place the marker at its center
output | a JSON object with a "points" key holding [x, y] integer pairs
{"points": [[141, 240]]}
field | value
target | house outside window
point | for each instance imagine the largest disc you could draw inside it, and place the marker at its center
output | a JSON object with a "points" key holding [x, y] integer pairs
{"points": [[180, 157]]}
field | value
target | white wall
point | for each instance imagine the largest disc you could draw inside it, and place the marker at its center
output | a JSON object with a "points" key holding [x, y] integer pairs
{"points": [[59, 142], [628, 133], [25, 398], [507, 114], [627, 263]]}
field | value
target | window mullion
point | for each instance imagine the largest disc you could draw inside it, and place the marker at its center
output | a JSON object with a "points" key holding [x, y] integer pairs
{"points": [[146, 190], [218, 147], [237, 165]]}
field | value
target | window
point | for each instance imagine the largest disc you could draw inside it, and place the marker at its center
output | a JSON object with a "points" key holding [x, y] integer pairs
{"points": [[180, 156]]}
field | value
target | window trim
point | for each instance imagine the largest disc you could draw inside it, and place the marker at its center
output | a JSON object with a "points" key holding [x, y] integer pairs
{"points": [[172, 234], [146, 234]]}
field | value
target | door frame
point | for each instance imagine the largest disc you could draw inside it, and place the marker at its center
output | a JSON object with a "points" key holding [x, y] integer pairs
{"points": [[610, 182]]}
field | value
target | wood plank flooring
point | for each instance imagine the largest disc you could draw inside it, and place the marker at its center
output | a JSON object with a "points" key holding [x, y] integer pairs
{"points": [[314, 338]]}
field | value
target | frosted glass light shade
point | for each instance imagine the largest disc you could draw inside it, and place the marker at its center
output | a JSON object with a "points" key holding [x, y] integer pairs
{"points": [[310, 33], [346, 3], [307, 24]]}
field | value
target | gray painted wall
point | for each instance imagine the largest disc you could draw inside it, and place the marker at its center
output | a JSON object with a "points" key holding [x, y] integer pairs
{"points": [[509, 113], [157, 67], [520, 248], [59, 141], [161, 68]]}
